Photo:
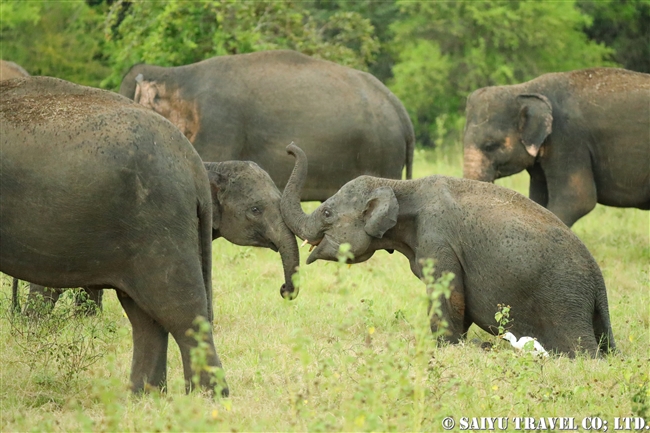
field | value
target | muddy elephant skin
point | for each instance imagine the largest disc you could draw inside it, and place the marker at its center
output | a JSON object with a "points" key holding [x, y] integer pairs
{"points": [[583, 136], [250, 106], [116, 197], [502, 248]]}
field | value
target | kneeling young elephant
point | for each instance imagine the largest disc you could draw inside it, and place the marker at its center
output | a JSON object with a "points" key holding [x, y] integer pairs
{"points": [[501, 247]]}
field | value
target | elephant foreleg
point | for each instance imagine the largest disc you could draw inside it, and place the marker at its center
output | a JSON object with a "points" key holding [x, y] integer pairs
{"points": [[571, 195], [538, 190], [452, 310]]}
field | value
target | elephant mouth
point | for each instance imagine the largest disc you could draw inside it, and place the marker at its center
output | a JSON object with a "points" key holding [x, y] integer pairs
{"points": [[325, 248]]}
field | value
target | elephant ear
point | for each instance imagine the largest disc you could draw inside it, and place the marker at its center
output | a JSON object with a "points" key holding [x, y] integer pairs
{"points": [[218, 184], [381, 211], [535, 121]]}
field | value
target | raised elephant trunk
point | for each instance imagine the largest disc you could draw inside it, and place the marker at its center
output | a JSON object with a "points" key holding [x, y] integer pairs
{"points": [[301, 224]]}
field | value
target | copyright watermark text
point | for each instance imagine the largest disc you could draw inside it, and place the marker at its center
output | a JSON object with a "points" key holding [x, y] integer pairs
{"points": [[592, 423]]}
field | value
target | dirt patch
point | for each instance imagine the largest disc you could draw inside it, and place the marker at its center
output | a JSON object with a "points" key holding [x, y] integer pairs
{"points": [[25, 101], [184, 114], [609, 80]]}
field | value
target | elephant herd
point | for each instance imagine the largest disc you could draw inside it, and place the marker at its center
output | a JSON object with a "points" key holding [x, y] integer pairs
{"points": [[127, 192]]}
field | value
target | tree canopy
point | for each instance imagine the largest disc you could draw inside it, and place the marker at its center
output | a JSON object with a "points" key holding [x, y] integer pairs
{"points": [[431, 54]]}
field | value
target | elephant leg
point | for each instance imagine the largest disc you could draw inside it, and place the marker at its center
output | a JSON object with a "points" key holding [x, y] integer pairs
{"points": [[538, 190], [571, 195], [179, 298], [453, 309], [41, 299], [149, 364], [206, 380]]}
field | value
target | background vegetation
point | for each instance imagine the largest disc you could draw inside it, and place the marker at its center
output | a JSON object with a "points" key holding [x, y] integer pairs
{"points": [[352, 353], [431, 54]]}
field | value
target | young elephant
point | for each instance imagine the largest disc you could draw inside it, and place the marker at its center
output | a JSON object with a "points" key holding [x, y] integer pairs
{"points": [[501, 247], [245, 211]]}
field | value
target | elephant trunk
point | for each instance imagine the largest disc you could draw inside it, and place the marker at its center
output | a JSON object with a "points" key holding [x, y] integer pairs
{"points": [[476, 166], [302, 225], [288, 248]]}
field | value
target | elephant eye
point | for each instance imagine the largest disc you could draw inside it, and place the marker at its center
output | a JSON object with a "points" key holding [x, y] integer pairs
{"points": [[256, 210], [327, 213], [491, 146]]}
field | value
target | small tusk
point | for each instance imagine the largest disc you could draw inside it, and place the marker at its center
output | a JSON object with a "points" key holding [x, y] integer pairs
{"points": [[303, 243], [311, 247]]}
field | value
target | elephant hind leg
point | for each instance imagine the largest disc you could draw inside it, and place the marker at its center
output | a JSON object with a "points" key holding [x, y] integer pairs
{"points": [[149, 364], [172, 295]]}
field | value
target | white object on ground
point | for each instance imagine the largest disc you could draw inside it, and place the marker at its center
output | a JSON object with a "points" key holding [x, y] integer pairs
{"points": [[537, 349]]}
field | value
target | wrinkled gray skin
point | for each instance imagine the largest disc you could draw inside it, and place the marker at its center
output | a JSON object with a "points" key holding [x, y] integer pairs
{"points": [[502, 248], [116, 197], [250, 106], [9, 70], [582, 136], [245, 211]]}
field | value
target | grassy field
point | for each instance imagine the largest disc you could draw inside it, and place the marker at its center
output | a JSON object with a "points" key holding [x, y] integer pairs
{"points": [[353, 352]]}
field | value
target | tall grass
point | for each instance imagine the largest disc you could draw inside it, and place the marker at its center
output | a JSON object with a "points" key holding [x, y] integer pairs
{"points": [[353, 352]]}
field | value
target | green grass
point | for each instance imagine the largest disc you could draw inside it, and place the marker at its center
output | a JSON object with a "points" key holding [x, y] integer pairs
{"points": [[353, 352]]}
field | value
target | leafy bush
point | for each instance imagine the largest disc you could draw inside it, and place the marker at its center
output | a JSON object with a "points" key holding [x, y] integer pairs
{"points": [[445, 50], [176, 33]]}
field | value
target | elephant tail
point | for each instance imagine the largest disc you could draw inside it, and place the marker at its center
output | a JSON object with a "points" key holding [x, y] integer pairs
{"points": [[602, 325], [15, 305], [409, 134], [410, 148], [205, 243]]}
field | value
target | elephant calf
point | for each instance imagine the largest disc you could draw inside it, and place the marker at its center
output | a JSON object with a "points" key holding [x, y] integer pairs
{"points": [[502, 248]]}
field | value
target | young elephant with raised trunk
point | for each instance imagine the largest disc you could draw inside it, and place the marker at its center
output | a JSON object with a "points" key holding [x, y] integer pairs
{"points": [[502, 248]]}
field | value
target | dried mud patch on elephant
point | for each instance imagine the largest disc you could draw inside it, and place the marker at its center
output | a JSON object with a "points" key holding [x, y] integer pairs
{"points": [[609, 80], [184, 114], [37, 108]]}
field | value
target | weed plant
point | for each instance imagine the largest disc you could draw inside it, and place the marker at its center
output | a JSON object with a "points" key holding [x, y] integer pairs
{"points": [[354, 351]]}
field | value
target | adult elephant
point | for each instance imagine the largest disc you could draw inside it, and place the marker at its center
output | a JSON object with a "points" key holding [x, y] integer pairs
{"points": [[9, 70], [249, 106], [246, 211], [501, 247], [97, 191], [581, 135]]}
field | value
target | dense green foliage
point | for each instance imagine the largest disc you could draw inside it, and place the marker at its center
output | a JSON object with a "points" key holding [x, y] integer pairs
{"points": [[431, 54], [448, 49], [58, 39], [177, 33], [623, 26]]}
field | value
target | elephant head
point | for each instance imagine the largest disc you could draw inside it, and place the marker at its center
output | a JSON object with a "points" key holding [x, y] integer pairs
{"points": [[504, 131], [246, 211], [358, 214]]}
